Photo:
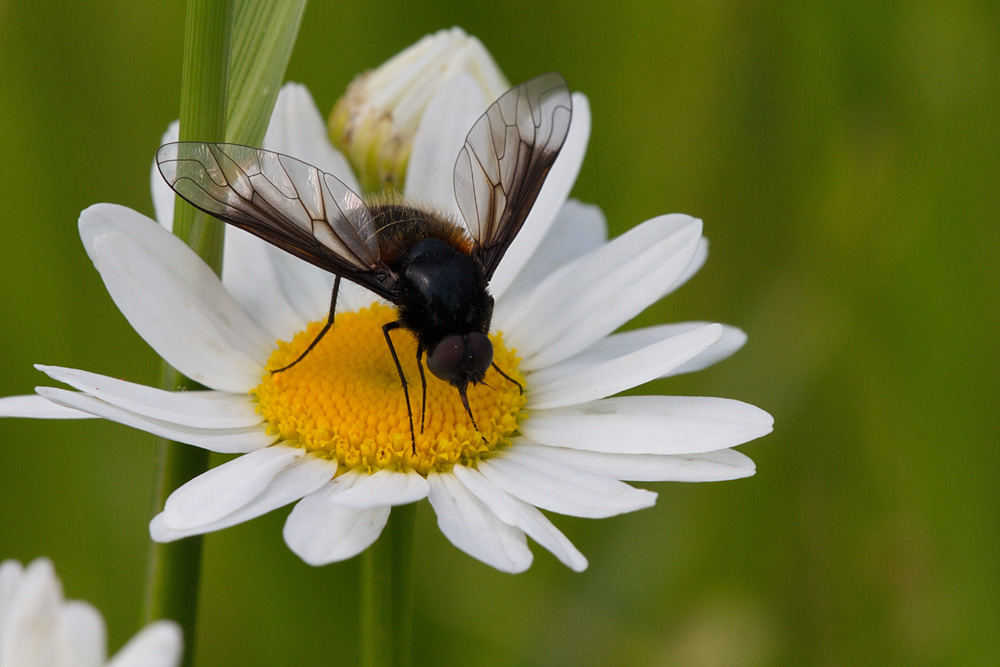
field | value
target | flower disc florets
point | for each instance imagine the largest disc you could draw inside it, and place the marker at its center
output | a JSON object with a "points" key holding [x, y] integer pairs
{"points": [[344, 399]]}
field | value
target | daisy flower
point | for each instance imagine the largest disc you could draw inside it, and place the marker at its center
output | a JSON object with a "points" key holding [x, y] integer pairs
{"points": [[39, 628], [331, 434]]}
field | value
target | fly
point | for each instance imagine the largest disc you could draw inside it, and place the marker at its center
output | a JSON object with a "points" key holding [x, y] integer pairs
{"points": [[435, 271]]}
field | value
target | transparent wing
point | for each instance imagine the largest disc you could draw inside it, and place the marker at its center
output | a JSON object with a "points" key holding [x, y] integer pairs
{"points": [[284, 201], [507, 155]]}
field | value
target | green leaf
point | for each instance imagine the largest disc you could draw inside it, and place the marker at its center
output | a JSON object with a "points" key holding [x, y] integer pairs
{"points": [[263, 38]]}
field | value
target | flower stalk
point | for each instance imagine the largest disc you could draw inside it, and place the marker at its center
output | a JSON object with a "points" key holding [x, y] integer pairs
{"points": [[387, 593], [173, 569], [234, 61], [204, 85]]}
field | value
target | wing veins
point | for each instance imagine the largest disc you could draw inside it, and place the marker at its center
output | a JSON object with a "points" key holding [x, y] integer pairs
{"points": [[510, 152], [256, 191]]}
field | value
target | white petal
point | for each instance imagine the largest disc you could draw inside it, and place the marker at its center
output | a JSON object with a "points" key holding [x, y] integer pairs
{"points": [[297, 292], [697, 261], [563, 490], [11, 573], [470, 525], [321, 532], [173, 300], [226, 488], [80, 636], [385, 487], [252, 273], [163, 196], [722, 464], [354, 297], [732, 340], [281, 292], [197, 409], [28, 620], [38, 407], [594, 295], [159, 644], [620, 344], [551, 198], [649, 425], [578, 229], [519, 513], [610, 376], [297, 480], [297, 129], [308, 288], [226, 441], [450, 113]]}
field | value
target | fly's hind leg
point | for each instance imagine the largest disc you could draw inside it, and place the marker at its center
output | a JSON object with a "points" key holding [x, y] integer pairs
{"points": [[322, 332]]}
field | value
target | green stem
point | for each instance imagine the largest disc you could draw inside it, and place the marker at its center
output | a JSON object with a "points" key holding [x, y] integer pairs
{"points": [[387, 593], [173, 569], [204, 85], [172, 575]]}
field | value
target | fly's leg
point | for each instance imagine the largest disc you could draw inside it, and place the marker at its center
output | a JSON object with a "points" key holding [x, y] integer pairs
{"points": [[322, 332], [402, 379], [423, 386]]}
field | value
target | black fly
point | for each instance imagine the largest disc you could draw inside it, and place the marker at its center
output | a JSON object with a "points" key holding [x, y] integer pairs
{"points": [[433, 270]]}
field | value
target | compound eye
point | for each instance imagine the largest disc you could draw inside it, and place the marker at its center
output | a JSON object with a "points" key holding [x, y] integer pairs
{"points": [[448, 356], [482, 351]]}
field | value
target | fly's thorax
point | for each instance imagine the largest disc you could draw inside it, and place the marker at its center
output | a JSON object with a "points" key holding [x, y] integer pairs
{"points": [[444, 291], [400, 225]]}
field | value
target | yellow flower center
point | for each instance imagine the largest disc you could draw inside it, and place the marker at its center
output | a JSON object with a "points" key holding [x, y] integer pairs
{"points": [[345, 400]]}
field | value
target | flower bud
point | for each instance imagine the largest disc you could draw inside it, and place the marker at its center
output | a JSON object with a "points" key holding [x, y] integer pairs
{"points": [[375, 121]]}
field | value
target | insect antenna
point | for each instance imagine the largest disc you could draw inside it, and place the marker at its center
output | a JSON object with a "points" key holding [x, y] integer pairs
{"points": [[322, 332], [520, 389]]}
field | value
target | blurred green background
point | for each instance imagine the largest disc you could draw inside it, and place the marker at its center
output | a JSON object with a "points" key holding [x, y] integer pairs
{"points": [[845, 158]]}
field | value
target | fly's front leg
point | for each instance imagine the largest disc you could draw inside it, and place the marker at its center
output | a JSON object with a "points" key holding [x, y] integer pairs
{"points": [[423, 385], [402, 379]]}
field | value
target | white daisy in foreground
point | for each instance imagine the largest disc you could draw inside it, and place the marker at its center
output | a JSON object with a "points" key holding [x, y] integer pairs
{"points": [[331, 434], [39, 628]]}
